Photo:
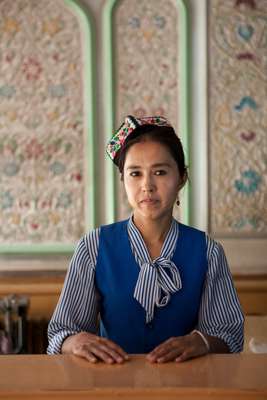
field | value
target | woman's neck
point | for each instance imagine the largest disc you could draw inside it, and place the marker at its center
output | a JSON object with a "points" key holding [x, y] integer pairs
{"points": [[153, 232]]}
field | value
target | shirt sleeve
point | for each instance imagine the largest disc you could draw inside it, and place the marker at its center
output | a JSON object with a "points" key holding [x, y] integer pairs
{"points": [[220, 313], [77, 308]]}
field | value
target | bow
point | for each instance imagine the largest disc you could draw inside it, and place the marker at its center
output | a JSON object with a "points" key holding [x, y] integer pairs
{"points": [[155, 284]]}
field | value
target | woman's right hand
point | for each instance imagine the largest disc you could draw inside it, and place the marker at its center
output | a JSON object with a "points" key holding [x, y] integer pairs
{"points": [[94, 348]]}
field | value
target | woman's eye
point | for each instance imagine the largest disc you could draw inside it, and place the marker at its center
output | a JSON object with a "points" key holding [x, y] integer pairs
{"points": [[134, 173], [160, 172]]}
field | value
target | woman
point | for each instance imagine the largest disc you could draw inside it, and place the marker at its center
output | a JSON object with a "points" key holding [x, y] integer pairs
{"points": [[159, 287]]}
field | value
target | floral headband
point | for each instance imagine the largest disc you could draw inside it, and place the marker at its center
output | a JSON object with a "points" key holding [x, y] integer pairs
{"points": [[129, 125]]}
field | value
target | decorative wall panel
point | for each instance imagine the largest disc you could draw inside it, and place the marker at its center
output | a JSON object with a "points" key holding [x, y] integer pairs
{"points": [[237, 117], [146, 64], [42, 125]]}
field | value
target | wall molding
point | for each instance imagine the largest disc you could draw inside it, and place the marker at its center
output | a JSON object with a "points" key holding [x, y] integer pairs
{"points": [[110, 112], [86, 26]]}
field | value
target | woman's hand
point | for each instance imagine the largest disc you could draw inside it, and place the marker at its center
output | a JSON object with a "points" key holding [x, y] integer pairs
{"points": [[94, 348], [179, 349]]}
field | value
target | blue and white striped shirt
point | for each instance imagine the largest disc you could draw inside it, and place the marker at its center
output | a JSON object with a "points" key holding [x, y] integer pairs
{"points": [[219, 315]]}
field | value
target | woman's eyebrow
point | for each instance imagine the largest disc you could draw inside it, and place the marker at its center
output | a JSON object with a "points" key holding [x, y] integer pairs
{"points": [[133, 167], [165, 164], [157, 165]]}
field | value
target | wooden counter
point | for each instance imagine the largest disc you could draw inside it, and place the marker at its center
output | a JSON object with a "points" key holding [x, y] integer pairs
{"points": [[68, 377]]}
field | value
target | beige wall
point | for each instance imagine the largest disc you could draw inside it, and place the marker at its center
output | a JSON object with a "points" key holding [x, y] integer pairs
{"points": [[245, 257]]}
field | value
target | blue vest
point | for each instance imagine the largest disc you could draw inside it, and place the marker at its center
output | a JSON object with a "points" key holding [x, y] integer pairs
{"points": [[123, 319]]}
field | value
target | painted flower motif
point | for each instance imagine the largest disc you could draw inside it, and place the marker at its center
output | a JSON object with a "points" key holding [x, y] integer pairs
{"points": [[57, 90], [52, 26], [53, 148], [34, 225], [53, 115], [46, 203], [242, 223], [10, 56], [64, 200], [11, 168], [54, 218], [77, 176], [139, 112], [159, 21], [12, 115], [11, 25], [15, 219], [249, 182], [6, 200], [67, 147], [7, 91], [57, 168], [34, 149], [11, 146], [245, 32], [159, 111], [134, 22], [32, 69]]}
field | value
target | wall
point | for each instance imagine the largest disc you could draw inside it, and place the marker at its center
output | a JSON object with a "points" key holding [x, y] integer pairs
{"points": [[247, 258]]}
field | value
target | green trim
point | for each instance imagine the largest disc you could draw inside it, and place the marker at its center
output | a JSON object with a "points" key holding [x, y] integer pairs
{"points": [[89, 107], [184, 102], [110, 187], [110, 102], [46, 249], [90, 189]]}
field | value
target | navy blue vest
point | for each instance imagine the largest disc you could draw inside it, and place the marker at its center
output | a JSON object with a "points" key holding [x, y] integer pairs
{"points": [[122, 317]]}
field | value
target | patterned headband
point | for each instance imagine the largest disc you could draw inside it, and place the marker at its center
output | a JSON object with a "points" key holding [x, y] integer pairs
{"points": [[129, 125]]}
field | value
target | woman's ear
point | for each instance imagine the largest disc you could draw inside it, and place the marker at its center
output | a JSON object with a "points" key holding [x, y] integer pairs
{"points": [[183, 181]]}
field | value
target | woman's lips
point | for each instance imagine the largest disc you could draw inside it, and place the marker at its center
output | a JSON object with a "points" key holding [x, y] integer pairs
{"points": [[148, 201]]}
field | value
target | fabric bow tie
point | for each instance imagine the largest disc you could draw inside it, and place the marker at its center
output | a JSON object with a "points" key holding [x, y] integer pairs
{"points": [[155, 285]]}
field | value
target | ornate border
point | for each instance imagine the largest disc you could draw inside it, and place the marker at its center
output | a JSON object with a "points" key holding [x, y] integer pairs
{"points": [[110, 102], [90, 189], [236, 132]]}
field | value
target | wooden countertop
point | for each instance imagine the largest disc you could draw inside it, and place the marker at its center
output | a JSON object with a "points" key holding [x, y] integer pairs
{"points": [[227, 376]]}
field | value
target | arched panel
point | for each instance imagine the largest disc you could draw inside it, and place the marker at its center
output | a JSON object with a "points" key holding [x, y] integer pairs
{"points": [[237, 118], [46, 126], [146, 63]]}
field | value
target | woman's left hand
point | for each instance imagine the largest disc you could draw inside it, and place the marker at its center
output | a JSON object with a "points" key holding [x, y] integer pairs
{"points": [[178, 349]]}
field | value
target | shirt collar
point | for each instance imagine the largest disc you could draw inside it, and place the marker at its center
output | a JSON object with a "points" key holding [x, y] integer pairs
{"points": [[140, 248]]}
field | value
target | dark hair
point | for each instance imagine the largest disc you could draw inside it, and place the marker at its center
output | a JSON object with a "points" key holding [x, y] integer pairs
{"points": [[162, 134]]}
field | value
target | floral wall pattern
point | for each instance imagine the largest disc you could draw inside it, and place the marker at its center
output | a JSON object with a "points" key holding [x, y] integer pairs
{"points": [[41, 123], [237, 116], [146, 64]]}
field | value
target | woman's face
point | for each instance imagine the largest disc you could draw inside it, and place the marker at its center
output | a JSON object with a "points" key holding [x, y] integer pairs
{"points": [[152, 180]]}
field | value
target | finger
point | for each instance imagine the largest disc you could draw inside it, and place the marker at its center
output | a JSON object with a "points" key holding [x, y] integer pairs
{"points": [[170, 356], [163, 349], [115, 347], [156, 353], [83, 351], [162, 346], [102, 353], [112, 353], [186, 355]]}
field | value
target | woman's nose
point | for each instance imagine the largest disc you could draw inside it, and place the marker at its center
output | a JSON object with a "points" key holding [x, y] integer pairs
{"points": [[148, 184]]}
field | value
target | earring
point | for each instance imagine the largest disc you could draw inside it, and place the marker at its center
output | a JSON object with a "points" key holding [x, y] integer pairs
{"points": [[178, 202]]}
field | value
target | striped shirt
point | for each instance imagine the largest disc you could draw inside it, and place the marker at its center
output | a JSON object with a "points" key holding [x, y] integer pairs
{"points": [[219, 314]]}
